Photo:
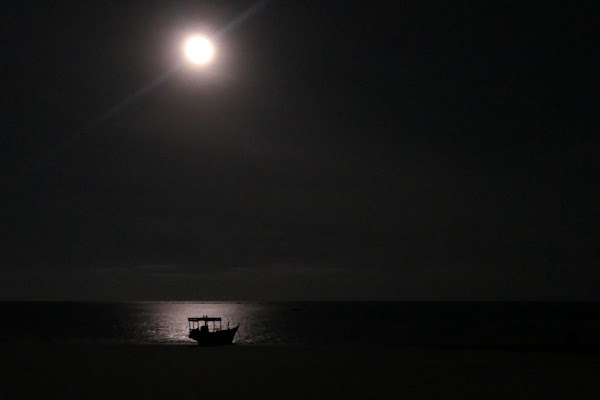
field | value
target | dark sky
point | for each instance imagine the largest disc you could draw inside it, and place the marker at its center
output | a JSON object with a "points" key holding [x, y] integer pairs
{"points": [[420, 150]]}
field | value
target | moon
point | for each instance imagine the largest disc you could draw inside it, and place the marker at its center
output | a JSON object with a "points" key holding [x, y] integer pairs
{"points": [[199, 50]]}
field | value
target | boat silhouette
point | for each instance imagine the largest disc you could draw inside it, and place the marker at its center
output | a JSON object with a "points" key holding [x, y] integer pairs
{"points": [[207, 331]]}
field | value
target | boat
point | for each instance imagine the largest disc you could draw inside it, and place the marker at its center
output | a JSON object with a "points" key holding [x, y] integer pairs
{"points": [[207, 331]]}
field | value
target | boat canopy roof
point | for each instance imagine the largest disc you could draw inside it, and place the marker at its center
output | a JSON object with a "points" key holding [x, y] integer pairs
{"points": [[205, 318]]}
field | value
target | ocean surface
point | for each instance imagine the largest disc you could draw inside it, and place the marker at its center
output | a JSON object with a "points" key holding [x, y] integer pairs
{"points": [[410, 324]]}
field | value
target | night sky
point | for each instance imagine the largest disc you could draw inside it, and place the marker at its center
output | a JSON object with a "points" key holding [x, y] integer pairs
{"points": [[408, 150]]}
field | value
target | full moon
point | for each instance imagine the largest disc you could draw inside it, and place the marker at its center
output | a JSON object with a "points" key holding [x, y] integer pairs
{"points": [[199, 50]]}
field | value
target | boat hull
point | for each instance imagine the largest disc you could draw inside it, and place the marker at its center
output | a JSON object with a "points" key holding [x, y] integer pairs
{"points": [[216, 338]]}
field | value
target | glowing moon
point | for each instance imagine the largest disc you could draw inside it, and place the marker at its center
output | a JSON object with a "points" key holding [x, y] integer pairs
{"points": [[199, 50]]}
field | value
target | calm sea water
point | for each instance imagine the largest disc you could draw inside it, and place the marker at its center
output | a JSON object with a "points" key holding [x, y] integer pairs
{"points": [[311, 323]]}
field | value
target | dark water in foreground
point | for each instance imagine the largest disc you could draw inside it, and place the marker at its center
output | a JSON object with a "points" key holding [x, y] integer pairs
{"points": [[431, 324]]}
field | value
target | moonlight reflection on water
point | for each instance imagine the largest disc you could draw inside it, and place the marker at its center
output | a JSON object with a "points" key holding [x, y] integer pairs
{"points": [[166, 322]]}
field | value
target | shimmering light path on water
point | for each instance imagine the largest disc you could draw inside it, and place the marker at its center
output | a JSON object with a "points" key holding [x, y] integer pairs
{"points": [[429, 324], [167, 322]]}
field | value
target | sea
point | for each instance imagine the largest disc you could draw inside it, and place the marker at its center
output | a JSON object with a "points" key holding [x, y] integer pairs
{"points": [[531, 325]]}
